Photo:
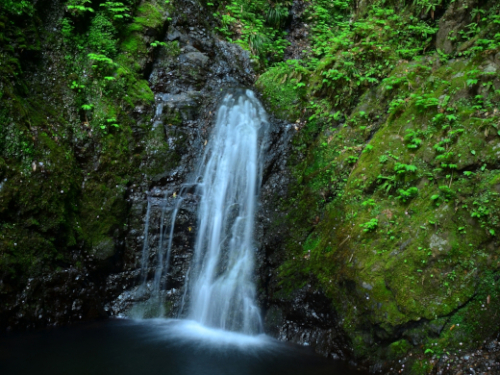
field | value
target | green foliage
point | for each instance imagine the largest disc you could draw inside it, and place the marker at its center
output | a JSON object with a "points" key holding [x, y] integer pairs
{"points": [[401, 168], [117, 10], [406, 195], [368, 148], [18, 7], [370, 226], [276, 15], [67, 29], [101, 60], [158, 44], [256, 26], [87, 107], [79, 7], [368, 203], [77, 86], [425, 102], [428, 6], [413, 137], [112, 122], [371, 77], [282, 86], [396, 106], [102, 35], [376, 112], [445, 195]]}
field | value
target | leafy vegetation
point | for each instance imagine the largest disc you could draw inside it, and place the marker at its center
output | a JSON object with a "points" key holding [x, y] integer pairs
{"points": [[18, 7], [257, 26], [396, 153], [49, 196]]}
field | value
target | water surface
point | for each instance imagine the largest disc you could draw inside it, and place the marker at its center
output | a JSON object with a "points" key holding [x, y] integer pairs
{"points": [[128, 347]]}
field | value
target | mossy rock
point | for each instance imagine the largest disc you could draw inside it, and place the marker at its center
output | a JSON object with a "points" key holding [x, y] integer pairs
{"points": [[400, 262], [279, 93], [104, 249]]}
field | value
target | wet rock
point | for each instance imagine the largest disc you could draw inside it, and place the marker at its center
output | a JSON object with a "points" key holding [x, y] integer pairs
{"points": [[175, 35], [188, 88], [307, 319], [299, 31], [366, 286], [104, 249], [185, 104], [188, 82], [193, 59], [490, 68]]}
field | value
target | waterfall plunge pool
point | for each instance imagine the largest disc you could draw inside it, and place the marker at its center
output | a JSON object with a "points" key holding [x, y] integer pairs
{"points": [[155, 346]]}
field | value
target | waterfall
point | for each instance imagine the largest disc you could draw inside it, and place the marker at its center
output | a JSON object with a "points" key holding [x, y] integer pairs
{"points": [[222, 292], [219, 286]]}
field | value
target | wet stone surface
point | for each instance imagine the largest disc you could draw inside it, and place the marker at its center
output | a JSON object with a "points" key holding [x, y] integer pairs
{"points": [[484, 361]]}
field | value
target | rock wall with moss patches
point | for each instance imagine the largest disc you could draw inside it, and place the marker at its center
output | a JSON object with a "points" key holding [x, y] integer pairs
{"points": [[74, 114], [393, 206], [78, 146]]}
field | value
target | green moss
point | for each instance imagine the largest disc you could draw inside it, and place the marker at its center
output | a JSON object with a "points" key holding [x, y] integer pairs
{"points": [[140, 92], [132, 45], [399, 348], [421, 367], [103, 210], [66, 168], [145, 27], [421, 266], [377, 114], [102, 35], [149, 14], [280, 93]]}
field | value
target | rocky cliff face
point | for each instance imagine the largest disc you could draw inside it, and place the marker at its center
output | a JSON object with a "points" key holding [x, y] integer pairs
{"points": [[189, 87], [166, 128], [90, 170]]}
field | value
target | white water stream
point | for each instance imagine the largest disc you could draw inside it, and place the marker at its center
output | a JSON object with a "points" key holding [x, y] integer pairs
{"points": [[219, 288], [222, 290]]}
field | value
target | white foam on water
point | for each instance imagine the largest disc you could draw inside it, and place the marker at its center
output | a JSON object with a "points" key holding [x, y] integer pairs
{"points": [[182, 331]]}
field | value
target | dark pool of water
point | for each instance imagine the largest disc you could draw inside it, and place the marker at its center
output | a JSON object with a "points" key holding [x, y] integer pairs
{"points": [[155, 347]]}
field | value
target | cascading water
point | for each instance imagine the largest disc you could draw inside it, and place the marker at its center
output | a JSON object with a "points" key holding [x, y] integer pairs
{"points": [[219, 287], [154, 306]]}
